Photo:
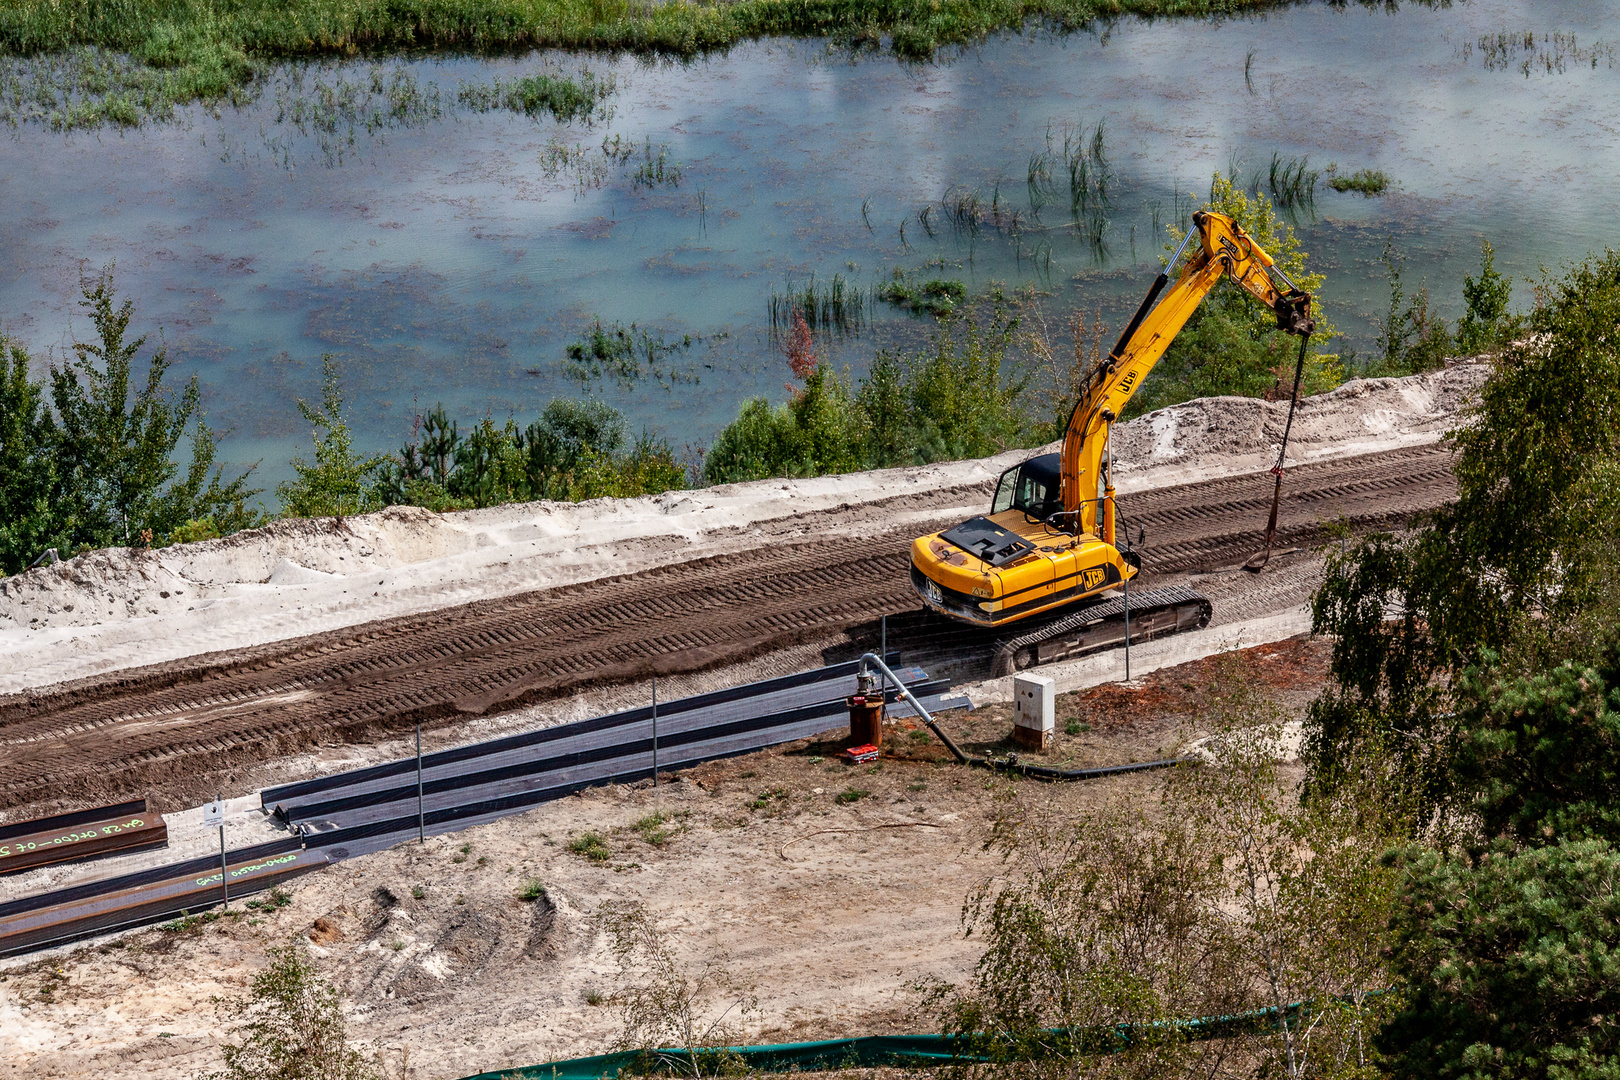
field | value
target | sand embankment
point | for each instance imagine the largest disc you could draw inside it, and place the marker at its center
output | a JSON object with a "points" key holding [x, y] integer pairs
{"points": [[122, 607]]}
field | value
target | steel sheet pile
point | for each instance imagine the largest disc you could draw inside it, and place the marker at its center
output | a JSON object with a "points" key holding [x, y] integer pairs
{"points": [[373, 808], [363, 810]]}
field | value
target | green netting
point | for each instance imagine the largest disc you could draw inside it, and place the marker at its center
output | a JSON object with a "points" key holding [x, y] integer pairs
{"points": [[914, 1051]]}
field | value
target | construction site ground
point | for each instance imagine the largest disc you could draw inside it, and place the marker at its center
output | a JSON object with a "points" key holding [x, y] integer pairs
{"points": [[231, 665], [829, 889]]}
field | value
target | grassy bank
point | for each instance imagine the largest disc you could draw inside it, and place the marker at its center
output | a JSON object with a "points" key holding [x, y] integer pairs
{"points": [[170, 52]]}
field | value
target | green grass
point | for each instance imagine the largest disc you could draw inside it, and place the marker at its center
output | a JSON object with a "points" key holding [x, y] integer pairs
{"points": [[591, 845], [1368, 182], [655, 828], [766, 798], [171, 52], [278, 899], [532, 890], [851, 795]]}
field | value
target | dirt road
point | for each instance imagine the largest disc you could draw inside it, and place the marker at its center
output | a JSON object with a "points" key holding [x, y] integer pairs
{"points": [[121, 734]]}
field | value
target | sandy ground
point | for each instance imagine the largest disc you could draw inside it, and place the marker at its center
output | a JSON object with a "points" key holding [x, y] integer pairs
{"points": [[120, 608], [828, 908]]}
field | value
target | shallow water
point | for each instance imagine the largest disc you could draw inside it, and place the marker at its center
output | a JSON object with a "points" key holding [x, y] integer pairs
{"points": [[441, 261]]}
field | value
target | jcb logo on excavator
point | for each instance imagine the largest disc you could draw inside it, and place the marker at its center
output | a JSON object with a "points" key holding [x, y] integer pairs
{"points": [[1095, 577]]}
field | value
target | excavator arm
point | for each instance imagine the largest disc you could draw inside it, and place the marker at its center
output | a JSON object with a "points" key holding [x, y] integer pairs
{"points": [[1225, 251]]}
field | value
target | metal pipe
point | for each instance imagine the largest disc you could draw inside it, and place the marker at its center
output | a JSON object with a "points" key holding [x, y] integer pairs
{"points": [[1135, 324], [1285, 280], [1040, 772], [224, 872], [907, 695], [1185, 240], [1127, 580], [883, 650]]}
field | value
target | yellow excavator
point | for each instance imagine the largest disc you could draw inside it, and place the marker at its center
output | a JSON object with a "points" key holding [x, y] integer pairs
{"points": [[1046, 556]]}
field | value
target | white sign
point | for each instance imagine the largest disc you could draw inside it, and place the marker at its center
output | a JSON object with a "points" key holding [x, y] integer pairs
{"points": [[214, 813]]}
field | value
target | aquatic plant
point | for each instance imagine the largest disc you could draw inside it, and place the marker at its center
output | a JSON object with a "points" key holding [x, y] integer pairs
{"points": [[656, 169], [320, 102], [934, 296], [627, 354], [1368, 182], [964, 210], [566, 97], [1292, 182], [591, 166], [1553, 54], [838, 306], [1086, 159]]}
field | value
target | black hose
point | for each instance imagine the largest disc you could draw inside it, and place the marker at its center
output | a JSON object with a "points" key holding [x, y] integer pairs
{"points": [[1047, 772], [1011, 763]]}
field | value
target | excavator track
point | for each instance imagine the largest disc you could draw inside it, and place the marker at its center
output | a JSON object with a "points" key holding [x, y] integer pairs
{"points": [[1101, 625]]}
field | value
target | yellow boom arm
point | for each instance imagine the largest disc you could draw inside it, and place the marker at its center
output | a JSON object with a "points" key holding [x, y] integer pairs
{"points": [[1226, 251]]}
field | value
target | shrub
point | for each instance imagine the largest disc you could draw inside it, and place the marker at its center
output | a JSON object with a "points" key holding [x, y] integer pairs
{"points": [[960, 398], [1410, 339], [92, 462], [688, 1012], [1529, 546], [1506, 962], [1220, 896], [1540, 750], [193, 531], [1487, 322], [575, 450], [816, 432], [338, 481], [293, 1027]]}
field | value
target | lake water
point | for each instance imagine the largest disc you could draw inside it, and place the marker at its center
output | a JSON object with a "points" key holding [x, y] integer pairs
{"points": [[456, 258]]}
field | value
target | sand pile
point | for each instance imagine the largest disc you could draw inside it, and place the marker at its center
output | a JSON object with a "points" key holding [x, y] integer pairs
{"points": [[123, 607]]}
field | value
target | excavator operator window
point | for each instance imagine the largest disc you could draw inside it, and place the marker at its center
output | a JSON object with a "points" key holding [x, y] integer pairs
{"points": [[1006, 487], [1034, 487]]}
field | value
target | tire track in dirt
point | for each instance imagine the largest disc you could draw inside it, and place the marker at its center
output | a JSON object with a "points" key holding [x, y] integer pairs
{"points": [[111, 734]]}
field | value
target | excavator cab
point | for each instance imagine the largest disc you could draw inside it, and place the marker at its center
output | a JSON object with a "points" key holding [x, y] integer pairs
{"points": [[1034, 486]]}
